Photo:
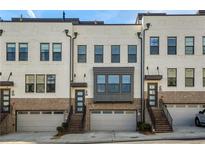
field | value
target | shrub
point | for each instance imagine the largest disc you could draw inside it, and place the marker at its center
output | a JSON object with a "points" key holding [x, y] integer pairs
{"points": [[60, 129], [144, 126], [65, 125]]}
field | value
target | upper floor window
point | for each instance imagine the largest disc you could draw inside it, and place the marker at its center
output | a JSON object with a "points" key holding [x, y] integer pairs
{"points": [[154, 45], [113, 83], [203, 77], [44, 53], [98, 53], [189, 45], [172, 45], [203, 44], [11, 51], [126, 84], [23, 51], [115, 54], [189, 77], [30, 81], [132, 53], [57, 51], [51, 82], [40, 83], [172, 77], [82, 53], [101, 83]]}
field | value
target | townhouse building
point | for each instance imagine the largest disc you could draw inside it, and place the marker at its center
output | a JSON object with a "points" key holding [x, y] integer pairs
{"points": [[101, 77]]}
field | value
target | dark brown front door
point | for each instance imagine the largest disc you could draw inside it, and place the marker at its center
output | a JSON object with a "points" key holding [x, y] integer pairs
{"points": [[152, 94], [79, 100]]}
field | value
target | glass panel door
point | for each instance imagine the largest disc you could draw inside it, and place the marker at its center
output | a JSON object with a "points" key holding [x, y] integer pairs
{"points": [[5, 100], [79, 100], [152, 94]]}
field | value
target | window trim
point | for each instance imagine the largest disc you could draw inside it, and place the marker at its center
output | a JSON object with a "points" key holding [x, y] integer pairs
{"points": [[131, 54], [189, 77], [47, 83], [154, 46], [116, 54], [19, 50], [36, 84], [44, 52], [82, 54], [189, 46], [171, 77], [99, 54], [203, 46], [57, 52], [171, 46], [33, 83], [7, 51]]}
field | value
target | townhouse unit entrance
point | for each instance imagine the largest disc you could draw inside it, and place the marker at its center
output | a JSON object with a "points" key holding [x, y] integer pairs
{"points": [[152, 94], [79, 100]]}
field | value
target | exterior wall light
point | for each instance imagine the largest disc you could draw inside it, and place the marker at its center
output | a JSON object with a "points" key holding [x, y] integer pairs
{"points": [[1, 32]]}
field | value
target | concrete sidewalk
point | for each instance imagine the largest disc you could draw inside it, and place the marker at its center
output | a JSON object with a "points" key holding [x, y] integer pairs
{"points": [[182, 133]]}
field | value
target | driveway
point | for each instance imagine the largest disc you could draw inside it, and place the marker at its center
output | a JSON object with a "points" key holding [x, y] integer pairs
{"points": [[180, 133]]}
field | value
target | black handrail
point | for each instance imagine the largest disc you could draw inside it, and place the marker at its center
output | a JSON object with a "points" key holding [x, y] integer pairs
{"points": [[83, 118], [69, 115], [151, 113], [166, 112]]}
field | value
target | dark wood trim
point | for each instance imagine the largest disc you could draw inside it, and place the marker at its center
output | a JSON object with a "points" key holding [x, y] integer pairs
{"points": [[78, 84], [153, 77], [6, 83]]}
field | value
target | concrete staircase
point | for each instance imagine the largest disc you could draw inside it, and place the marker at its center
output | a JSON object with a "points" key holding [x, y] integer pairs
{"points": [[75, 124], [161, 123]]}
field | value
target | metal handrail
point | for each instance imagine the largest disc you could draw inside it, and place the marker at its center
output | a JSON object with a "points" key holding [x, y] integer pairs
{"points": [[166, 112], [83, 118], [70, 114], [151, 114]]}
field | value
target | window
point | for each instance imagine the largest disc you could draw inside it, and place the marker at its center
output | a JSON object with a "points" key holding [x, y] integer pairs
{"points": [[203, 43], [44, 55], [101, 83], [172, 45], [115, 51], [154, 45], [51, 83], [113, 83], [10, 51], [40, 83], [203, 77], [132, 53], [30, 81], [57, 51], [23, 51], [189, 77], [98, 53], [126, 84], [82, 53], [172, 77], [189, 45]]}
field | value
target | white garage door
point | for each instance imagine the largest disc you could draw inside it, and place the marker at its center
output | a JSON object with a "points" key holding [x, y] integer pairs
{"points": [[113, 120], [184, 115], [39, 120]]}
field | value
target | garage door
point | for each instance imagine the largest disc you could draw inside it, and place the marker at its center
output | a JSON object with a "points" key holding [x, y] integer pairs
{"points": [[184, 115], [113, 120], [39, 120]]}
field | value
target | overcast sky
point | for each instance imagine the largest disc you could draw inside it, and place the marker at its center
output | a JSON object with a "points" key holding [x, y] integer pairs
{"points": [[115, 16]]}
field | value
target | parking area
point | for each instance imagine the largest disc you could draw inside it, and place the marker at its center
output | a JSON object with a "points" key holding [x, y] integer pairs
{"points": [[182, 133]]}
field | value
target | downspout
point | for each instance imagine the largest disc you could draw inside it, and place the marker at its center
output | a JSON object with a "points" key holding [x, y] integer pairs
{"points": [[142, 38], [72, 74], [70, 37]]}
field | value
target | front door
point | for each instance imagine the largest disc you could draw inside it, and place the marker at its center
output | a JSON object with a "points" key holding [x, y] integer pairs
{"points": [[152, 94], [79, 100], [5, 100]]}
